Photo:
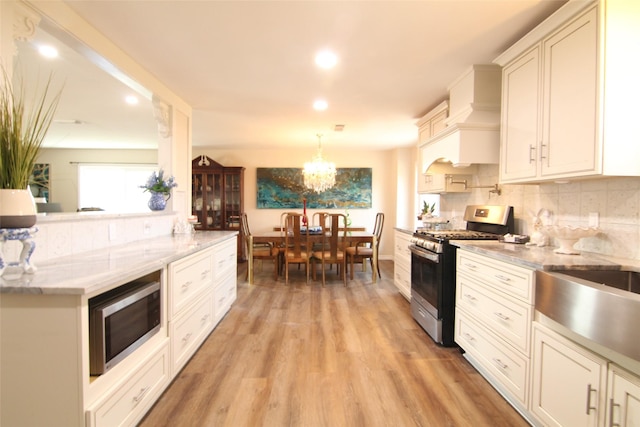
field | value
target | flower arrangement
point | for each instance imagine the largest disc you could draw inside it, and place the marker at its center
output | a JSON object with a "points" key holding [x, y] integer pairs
{"points": [[157, 184]]}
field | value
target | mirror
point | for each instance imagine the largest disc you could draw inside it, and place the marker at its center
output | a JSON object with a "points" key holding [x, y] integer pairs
{"points": [[93, 122]]}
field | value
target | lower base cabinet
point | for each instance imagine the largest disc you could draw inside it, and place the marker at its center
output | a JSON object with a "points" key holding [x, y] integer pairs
{"points": [[402, 263], [134, 396], [623, 405], [44, 347], [573, 386], [569, 382]]}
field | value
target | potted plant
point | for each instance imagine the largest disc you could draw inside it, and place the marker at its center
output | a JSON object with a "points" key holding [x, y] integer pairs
{"points": [[21, 134], [427, 210]]}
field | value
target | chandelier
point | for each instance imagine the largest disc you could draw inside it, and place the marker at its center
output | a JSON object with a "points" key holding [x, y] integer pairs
{"points": [[319, 175]]}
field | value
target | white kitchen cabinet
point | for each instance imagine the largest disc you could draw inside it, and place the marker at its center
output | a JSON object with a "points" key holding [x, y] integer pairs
{"points": [[402, 263], [569, 381], [565, 86], [443, 183], [433, 122], [494, 313], [623, 403], [134, 395], [202, 289], [442, 177]]}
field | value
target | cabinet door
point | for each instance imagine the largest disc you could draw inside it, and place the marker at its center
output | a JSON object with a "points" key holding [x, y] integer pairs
{"points": [[232, 200], [520, 140], [570, 115], [214, 201], [623, 405], [568, 381]]}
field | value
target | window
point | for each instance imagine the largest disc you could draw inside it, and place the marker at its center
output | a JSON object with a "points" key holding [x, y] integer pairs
{"points": [[114, 187]]}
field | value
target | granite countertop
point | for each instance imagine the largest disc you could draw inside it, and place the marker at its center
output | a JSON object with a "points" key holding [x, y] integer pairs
{"points": [[404, 230], [100, 270], [544, 258]]}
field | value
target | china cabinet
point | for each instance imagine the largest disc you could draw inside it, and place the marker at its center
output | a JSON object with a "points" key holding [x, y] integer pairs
{"points": [[217, 197]]}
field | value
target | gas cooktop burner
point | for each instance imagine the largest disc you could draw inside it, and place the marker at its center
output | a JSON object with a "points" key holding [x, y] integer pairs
{"points": [[457, 235]]}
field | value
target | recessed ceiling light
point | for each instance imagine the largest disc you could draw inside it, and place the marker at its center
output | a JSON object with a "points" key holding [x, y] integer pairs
{"points": [[326, 59], [131, 100], [320, 105], [48, 51]]}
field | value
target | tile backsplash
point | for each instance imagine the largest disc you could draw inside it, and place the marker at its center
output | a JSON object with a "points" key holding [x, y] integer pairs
{"points": [[61, 235], [616, 201]]}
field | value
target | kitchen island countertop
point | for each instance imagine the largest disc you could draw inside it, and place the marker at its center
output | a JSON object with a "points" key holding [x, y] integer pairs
{"points": [[97, 271], [543, 258]]}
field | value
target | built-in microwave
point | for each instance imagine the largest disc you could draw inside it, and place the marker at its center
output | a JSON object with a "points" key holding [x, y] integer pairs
{"points": [[121, 320]]}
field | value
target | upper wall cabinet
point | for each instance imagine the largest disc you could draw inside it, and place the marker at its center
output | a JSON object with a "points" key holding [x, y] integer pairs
{"points": [[433, 122], [565, 92]]}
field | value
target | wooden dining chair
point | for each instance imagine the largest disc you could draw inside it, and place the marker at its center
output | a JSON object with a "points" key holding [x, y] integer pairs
{"points": [[296, 244], [363, 251], [260, 251], [332, 248]]}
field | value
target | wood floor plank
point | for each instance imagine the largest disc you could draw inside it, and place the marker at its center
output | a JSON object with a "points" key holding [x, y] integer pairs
{"points": [[312, 356]]}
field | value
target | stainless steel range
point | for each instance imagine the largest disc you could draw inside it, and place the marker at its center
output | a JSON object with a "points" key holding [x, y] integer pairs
{"points": [[433, 267]]}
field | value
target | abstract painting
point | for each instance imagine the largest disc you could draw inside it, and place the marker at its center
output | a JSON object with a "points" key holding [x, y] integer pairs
{"points": [[283, 188]]}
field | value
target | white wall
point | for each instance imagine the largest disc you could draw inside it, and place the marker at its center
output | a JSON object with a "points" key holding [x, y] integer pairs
{"points": [[383, 183]]}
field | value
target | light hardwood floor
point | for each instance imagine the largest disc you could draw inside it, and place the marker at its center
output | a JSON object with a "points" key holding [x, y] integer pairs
{"points": [[303, 355]]}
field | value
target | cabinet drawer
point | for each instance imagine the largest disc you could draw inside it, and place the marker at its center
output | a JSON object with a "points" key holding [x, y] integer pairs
{"points": [[402, 280], [402, 254], [507, 367], [189, 330], [188, 278], [224, 257], [225, 295], [402, 261], [506, 278], [132, 399], [509, 320]]}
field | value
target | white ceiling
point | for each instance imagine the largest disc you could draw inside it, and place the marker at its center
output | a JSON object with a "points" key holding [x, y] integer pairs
{"points": [[247, 67]]}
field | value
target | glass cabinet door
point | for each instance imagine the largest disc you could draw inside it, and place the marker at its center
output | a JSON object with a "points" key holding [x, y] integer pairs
{"points": [[197, 197], [214, 199], [232, 200]]}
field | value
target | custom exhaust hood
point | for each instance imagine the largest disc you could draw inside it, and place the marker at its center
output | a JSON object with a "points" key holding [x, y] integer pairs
{"points": [[472, 132]]}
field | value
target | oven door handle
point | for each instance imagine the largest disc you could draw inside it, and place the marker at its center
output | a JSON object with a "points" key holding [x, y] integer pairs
{"points": [[423, 253]]}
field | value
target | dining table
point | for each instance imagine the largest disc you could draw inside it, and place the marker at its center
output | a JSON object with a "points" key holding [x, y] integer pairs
{"points": [[353, 237]]}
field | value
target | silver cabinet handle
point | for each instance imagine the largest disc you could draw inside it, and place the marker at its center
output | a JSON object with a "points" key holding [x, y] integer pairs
{"points": [[186, 338], [470, 297], [468, 336], [186, 285], [500, 363], [501, 316], [503, 278], [589, 390], [612, 405], [136, 399], [204, 318], [532, 157], [204, 274], [471, 266]]}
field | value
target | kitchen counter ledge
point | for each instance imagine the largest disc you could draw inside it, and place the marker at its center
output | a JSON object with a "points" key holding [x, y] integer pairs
{"points": [[97, 271], [544, 258]]}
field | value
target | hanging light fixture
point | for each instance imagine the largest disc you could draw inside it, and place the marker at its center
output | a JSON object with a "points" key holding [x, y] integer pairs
{"points": [[319, 174]]}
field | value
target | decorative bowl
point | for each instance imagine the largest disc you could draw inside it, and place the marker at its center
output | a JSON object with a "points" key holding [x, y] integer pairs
{"points": [[567, 236]]}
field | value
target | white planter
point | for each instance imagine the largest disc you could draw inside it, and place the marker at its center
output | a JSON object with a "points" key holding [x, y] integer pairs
{"points": [[17, 209]]}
